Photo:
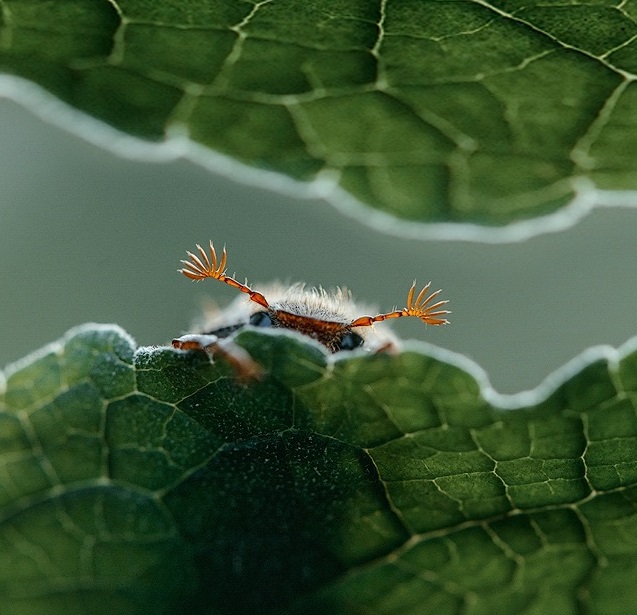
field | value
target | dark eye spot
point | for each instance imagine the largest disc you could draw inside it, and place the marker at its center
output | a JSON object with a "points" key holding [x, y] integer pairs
{"points": [[350, 341], [260, 319]]}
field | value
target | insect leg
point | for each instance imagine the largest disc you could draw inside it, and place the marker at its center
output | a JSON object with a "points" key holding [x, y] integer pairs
{"points": [[245, 367]]}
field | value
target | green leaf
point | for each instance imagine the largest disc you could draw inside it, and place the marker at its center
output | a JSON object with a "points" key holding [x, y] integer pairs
{"points": [[150, 480], [429, 111]]}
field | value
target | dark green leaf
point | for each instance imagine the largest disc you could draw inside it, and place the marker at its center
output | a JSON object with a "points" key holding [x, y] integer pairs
{"points": [[428, 110], [150, 480]]}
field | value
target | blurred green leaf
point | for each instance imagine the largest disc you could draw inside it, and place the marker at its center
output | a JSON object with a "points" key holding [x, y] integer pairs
{"points": [[427, 110], [149, 480]]}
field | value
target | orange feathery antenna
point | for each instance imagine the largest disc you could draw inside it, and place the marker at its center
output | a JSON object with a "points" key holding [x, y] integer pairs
{"points": [[201, 267], [421, 307]]}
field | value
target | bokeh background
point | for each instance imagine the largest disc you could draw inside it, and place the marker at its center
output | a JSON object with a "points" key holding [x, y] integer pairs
{"points": [[87, 236]]}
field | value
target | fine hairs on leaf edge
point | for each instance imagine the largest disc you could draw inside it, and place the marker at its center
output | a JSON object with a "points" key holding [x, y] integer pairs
{"points": [[57, 346], [502, 401]]}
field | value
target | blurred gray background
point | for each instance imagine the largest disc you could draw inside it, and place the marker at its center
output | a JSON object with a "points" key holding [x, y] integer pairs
{"points": [[88, 236]]}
